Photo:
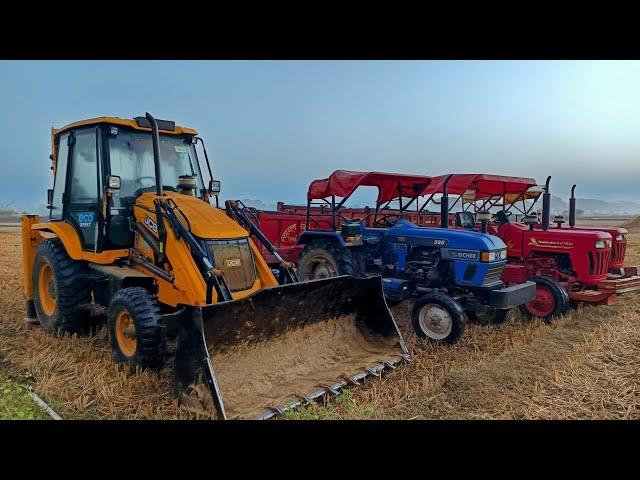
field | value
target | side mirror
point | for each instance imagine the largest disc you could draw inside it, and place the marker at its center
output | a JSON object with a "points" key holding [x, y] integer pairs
{"points": [[113, 183], [50, 196], [214, 187]]}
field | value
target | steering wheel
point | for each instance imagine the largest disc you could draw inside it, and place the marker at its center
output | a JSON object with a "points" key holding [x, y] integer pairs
{"points": [[502, 216], [139, 181], [384, 222], [349, 220]]}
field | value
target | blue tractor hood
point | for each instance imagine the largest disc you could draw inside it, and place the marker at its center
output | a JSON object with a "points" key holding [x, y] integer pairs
{"points": [[446, 237], [462, 248]]}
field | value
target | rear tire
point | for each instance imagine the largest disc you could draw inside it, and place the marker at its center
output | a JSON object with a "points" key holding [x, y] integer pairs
{"points": [[551, 300], [59, 292], [324, 259], [136, 337], [438, 317]]}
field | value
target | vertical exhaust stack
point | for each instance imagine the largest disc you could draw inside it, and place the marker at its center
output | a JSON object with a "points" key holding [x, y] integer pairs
{"points": [[546, 205], [572, 208], [444, 205], [155, 138]]}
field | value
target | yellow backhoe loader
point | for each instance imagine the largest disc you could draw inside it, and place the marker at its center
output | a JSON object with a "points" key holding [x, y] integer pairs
{"points": [[132, 229]]}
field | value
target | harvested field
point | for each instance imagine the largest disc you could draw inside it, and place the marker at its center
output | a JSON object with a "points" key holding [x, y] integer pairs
{"points": [[586, 365]]}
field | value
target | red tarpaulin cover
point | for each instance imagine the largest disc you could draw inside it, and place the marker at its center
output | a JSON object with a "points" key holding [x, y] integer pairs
{"points": [[342, 183], [484, 185]]}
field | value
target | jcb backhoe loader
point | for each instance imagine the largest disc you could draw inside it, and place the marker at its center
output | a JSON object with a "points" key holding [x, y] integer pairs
{"points": [[132, 229]]}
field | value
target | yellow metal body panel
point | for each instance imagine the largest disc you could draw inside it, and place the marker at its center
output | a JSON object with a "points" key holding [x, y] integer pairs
{"points": [[71, 241], [30, 241], [207, 222]]}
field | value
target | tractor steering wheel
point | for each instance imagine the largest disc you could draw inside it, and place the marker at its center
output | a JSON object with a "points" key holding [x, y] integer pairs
{"points": [[384, 222], [139, 181], [502, 216]]}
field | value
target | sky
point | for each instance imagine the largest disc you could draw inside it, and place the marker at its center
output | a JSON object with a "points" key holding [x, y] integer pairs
{"points": [[273, 126]]}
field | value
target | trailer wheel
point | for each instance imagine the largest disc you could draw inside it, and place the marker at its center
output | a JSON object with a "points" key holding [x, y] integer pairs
{"points": [[438, 317], [551, 300], [136, 337], [324, 259], [492, 317], [59, 293]]}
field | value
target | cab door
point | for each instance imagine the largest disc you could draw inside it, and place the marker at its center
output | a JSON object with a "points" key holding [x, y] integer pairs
{"points": [[83, 186]]}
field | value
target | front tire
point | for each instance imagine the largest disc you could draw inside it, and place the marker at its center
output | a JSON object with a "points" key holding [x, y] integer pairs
{"points": [[324, 259], [136, 337], [438, 317], [58, 289], [551, 300]]}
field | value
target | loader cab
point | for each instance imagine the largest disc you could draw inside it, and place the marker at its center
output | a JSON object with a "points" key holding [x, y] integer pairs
{"points": [[87, 153]]}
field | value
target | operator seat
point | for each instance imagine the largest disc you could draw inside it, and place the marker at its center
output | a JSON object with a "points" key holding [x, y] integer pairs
{"points": [[465, 220]]}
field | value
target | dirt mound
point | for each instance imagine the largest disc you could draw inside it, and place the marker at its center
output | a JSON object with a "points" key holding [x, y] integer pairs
{"points": [[266, 374], [633, 224]]}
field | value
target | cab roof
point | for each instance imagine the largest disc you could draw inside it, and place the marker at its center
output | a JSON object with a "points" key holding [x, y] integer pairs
{"points": [[138, 123], [342, 183], [483, 185]]}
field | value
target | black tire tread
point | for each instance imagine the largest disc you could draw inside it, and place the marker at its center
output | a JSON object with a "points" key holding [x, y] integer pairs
{"points": [[71, 291], [452, 306], [561, 296], [151, 342], [345, 260]]}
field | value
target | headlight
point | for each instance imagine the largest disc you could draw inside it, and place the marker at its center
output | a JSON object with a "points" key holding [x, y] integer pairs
{"points": [[600, 244], [620, 237], [493, 255]]}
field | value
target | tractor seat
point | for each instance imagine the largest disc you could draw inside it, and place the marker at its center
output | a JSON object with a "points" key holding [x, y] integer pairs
{"points": [[465, 220]]}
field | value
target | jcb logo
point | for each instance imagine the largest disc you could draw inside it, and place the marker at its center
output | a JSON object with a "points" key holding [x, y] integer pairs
{"points": [[232, 263], [153, 226]]}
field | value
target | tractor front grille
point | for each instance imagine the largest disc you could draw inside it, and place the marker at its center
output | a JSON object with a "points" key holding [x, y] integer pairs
{"points": [[234, 258], [599, 262], [618, 251], [493, 274]]}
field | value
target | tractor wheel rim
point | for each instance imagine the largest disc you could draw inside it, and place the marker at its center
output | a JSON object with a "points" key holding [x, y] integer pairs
{"points": [[126, 334], [435, 321], [47, 287], [544, 303], [322, 268]]}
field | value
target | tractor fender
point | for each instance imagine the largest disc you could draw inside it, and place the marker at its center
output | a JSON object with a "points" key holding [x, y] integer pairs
{"points": [[71, 241], [309, 235]]}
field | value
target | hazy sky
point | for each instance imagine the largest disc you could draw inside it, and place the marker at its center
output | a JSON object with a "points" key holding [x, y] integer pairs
{"points": [[272, 127]]}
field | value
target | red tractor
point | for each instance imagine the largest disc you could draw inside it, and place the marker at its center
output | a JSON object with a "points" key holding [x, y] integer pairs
{"points": [[618, 234], [567, 264]]}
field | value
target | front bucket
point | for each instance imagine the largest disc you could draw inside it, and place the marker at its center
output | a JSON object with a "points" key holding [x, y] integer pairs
{"points": [[286, 345]]}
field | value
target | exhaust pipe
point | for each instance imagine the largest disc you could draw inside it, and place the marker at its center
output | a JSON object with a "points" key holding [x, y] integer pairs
{"points": [[155, 138], [546, 205], [444, 205], [572, 208]]}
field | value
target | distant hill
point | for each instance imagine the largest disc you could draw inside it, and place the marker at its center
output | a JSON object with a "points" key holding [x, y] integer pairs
{"points": [[258, 204], [592, 206]]}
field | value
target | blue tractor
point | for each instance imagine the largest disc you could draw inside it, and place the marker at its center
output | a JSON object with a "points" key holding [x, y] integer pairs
{"points": [[449, 272]]}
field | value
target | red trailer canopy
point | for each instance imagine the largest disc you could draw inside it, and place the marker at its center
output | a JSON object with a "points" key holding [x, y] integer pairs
{"points": [[483, 185], [342, 183]]}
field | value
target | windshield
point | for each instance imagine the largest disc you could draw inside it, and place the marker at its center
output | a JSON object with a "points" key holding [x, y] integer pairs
{"points": [[131, 158]]}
